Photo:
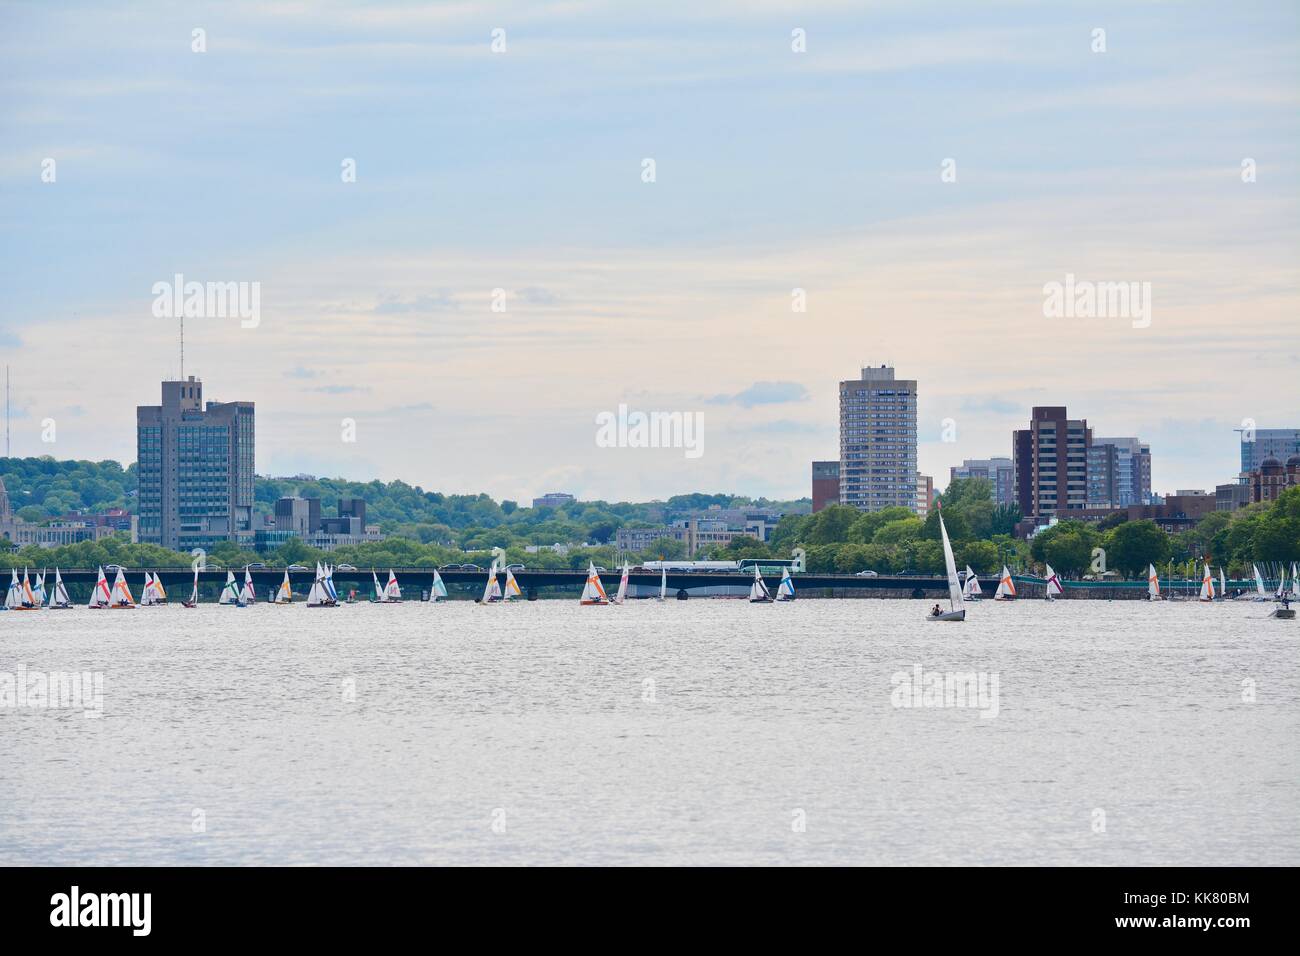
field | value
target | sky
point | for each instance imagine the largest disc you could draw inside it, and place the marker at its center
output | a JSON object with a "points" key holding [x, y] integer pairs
{"points": [[921, 171]]}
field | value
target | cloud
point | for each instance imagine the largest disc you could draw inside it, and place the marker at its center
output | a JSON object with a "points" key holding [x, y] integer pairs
{"points": [[441, 301], [764, 393], [536, 295], [339, 389], [300, 372]]}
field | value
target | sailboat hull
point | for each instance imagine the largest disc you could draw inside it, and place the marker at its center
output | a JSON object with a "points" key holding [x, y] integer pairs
{"points": [[948, 616], [760, 600]]}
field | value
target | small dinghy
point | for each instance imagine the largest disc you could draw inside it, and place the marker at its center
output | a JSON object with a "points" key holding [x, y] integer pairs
{"points": [[957, 611]]}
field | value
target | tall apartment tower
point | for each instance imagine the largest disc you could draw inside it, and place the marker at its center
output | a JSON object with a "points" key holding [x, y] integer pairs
{"points": [[997, 471], [1050, 463], [195, 468], [1279, 443], [878, 441], [1119, 472]]}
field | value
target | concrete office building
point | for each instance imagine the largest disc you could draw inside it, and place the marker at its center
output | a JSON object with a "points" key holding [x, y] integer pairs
{"points": [[195, 468], [298, 516], [878, 441], [1050, 463]]}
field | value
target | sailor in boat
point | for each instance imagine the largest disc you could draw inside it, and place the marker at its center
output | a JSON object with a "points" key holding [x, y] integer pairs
{"points": [[936, 611]]}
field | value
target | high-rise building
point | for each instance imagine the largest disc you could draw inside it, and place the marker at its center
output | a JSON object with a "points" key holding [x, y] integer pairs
{"points": [[1279, 443], [825, 484], [195, 468], [1050, 462], [997, 471], [1119, 472], [924, 495], [878, 441]]}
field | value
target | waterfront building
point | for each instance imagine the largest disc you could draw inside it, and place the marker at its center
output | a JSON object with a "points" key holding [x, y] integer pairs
{"points": [[878, 441], [53, 534], [195, 469], [1119, 472], [825, 484], [997, 471], [1279, 443], [300, 516], [1232, 495], [1050, 463]]}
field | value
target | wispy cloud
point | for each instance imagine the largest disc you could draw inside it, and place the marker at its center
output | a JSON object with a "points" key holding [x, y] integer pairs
{"points": [[764, 393]]}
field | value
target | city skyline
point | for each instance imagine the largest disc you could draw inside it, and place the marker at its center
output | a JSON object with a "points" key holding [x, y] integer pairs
{"points": [[376, 295]]}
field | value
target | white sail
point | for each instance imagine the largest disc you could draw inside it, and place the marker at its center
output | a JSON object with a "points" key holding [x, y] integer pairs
{"points": [[512, 586], [437, 589], [491, 588], [1223, 585], [785, 590], [121, 592], [621, 596], [1153, 583], [1207, 585], [59, 594], [1053, 584], [230, 593], [1277, 596], [194, 591], [248, 595], [593, 592], [1259, 582], [663, 583], [327, 586], [14, 596], [285, 594], [318, 596], [950, 565], [758, 592], [391, 589], [39, 590], [147, 598], [972, 588], [1006, 586], [1295, 583], [99, 596], [379, 591]]}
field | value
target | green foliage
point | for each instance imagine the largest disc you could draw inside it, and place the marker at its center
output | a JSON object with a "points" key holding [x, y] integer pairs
{"points": [[1067, 546], [1133, 545], [55, 487]]}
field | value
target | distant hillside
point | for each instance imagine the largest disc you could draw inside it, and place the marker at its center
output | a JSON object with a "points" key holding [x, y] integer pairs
{"points": [[43, 488]]}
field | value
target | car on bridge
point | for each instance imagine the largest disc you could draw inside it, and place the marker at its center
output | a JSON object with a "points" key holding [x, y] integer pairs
{"points": [[515, 567], [345, 567], [866, 574], [295, 567]]}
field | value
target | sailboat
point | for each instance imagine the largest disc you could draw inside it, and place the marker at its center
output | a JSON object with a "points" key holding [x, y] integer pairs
{"points": [[159, 592], [39, 590], [1207, 586], [1260, 594], [14, 596], [437, 589], [1053, 584], [593, 592], [1006, 587], [26, 596], [249, 594], [758, 592], [194, 592], [1295, 583], [1153, 583], [512, 587], [663, 584], [621, 594], [121, 599], [322, 593], [379, 591], [147, 598], [230, 593], [785, 590], [956, 606], [285, 594], [392, 593], [492, 588], [100, 595], [1223, 586], [971, 591], [59, 595]]}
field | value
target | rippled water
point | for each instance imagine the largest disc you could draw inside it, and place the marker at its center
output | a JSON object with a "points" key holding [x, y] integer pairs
{"points": [[524, 734]]}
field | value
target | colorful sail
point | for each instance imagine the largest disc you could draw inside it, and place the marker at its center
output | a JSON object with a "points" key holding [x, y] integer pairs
{"points": [[285, 594], [758, 592], [785, 590], [391, 590], [593, 592], [230, 593], [972, 588], [100, 596], [512, 586], [1053, 584], [1006, 586], [1207, 585], [437, 589], [1153, 583], [121, 591], [621, 595]]}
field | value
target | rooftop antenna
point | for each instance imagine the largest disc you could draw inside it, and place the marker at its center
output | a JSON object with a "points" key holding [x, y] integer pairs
{"points": [[6, 411], [182, 345]]}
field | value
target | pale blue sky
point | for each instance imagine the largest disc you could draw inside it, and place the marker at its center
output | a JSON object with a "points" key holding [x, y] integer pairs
{"points": [[775, 170]]}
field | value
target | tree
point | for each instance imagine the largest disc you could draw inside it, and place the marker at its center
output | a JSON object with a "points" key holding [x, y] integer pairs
{"points": [[1067, 545], [1133, 545]]}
